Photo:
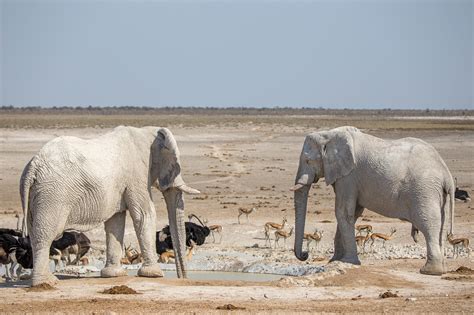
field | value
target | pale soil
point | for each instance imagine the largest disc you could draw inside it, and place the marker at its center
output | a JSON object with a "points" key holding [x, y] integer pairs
{"points": [[244, 166]]}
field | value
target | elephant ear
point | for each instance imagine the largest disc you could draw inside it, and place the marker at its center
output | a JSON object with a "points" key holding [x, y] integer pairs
{"points": [[338, 156], [165, 159]]}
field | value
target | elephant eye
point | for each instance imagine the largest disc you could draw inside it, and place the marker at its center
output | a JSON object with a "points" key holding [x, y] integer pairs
{"points": [[163, 146], [311, 158]]}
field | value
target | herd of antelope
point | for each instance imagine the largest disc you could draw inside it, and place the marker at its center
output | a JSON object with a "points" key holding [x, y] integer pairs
{"points": [[364, 234], [280, 230]]}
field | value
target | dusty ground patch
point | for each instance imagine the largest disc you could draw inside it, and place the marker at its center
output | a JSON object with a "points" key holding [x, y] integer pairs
{"points": [[248, 162]]}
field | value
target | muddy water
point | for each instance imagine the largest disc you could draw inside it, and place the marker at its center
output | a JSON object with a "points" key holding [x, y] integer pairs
{"points": [[193, 274], [221, 275], [198, 275], [209, 275]]}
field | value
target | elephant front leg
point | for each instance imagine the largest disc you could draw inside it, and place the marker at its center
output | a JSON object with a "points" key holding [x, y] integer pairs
{"points": [[338, 247], [114, 231], [338, 244], [144, 218], [349, 246], [346, 211]]}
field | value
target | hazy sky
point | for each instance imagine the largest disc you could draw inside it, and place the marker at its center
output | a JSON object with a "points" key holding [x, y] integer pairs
{"points": [[365, 54]]}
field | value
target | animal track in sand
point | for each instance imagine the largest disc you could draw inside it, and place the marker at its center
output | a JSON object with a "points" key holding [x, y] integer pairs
{"points": [[237, 167]]}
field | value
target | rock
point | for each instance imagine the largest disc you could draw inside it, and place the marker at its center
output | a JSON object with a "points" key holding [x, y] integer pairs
{"points": [[230, 307], [388, 294]]}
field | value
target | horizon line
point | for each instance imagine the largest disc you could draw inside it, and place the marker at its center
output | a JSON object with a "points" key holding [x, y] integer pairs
{"points": [[167, 107]]}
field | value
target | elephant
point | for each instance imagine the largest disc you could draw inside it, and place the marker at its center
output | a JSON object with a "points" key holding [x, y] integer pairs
{"points": [[77, 184], [404, 178]]}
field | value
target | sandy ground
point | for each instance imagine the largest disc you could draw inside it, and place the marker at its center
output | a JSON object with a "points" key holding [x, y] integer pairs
{"points": [[249, 165]]}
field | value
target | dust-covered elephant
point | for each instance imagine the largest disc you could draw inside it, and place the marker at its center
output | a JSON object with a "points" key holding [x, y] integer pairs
{"points": [[403, 178], [76, 184]]}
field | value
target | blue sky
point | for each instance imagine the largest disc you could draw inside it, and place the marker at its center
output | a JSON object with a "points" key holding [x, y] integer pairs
{"points": [[335, 54]]}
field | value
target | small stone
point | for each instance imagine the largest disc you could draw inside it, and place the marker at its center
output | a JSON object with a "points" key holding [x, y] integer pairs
{"points": [[388, 294]]}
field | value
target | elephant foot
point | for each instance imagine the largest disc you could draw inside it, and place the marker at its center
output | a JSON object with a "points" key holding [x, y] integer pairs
{"points": [[113, 271], [44, 280], [433, 269], [150, 271], [334, 258], [25, 276], [349, 260]]}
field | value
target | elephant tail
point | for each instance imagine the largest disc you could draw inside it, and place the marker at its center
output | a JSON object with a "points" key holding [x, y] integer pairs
{"points": [[449, 190], [451, 207], [28, 178]]}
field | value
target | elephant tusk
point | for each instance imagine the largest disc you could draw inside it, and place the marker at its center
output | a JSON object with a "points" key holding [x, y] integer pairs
{"points": [[297, 187], [188, 190]]}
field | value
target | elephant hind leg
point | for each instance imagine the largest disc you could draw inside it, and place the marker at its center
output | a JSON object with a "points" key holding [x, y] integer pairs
{"points": [[41, 274], [435, 263], [430, 225], [114, 231], [42, 234]]}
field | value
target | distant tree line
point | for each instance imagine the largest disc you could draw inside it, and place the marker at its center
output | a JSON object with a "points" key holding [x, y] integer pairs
{"points": [[181, 110]]}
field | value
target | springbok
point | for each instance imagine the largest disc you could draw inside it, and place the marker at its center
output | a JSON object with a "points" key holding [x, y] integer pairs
{"points": [[316, 237], [214, 228], [246, 212], [361, 240], [132, 256], [282, 234], [169, 254], [383, 237], [459, 243], [275, 226], [367, 228]]}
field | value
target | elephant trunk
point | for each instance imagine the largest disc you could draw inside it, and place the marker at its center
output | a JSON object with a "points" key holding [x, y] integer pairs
{"points": [[175, 204], [301, 201]]}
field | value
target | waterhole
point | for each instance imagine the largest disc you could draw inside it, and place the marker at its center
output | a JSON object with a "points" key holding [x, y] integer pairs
{"points": [[171, 274]]}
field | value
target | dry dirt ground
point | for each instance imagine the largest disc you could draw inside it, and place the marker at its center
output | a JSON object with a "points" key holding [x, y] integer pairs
{"points": [[247, 164]]}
